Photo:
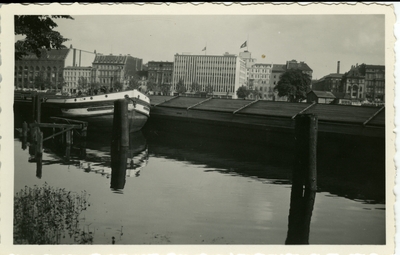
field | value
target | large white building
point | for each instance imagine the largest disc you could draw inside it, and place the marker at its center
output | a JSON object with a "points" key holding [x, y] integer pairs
{"points": [[224, 73]]}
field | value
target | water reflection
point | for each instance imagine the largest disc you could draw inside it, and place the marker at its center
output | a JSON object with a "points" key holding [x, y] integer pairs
{"points": [[347, 166], [98, 159]]}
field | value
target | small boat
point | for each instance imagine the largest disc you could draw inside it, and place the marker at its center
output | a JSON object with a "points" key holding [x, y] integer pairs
{"points": [[98, 109]]}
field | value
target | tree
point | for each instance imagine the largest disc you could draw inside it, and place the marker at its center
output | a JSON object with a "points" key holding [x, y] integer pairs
{"points": [[41, 82], [180, 87], [133, 83], [118, 85], [242, 92], [195, 87], [165, 88], [256, 93], [294, 84], [38, 34], [151, 86], [83, 84], [210, 89], [94, 88]]}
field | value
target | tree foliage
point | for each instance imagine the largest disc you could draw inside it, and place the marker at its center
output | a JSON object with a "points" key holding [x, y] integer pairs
{"points": [[165, 88], [294, 84], [242, 92], [195, 87], [133, 83], [256, 93], [180, 87], [42, 82], [151, 86], [209, 89], [83, 84], [118, 85], [38, 34]]}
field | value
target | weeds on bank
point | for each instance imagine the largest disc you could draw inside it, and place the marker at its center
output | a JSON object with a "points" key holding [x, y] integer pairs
{"points": [[44, 215]]}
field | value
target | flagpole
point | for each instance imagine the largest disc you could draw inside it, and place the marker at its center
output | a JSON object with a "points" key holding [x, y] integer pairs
{"points": [[247, 44]]}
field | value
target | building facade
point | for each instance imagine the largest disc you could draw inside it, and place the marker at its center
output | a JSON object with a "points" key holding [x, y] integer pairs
{"points": [[73, 76], [354, 83], [108, 70], [49, 67], [224, 73], [259, 80], [375, 82], [330, 82], [160, 72]]}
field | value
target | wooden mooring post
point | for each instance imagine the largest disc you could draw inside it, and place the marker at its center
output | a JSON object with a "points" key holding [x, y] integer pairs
{"points": [[32, 141], [119, 144], [39, 153], [24, 135], [68, 142], [304, 180], [82, 145], [36, 107]]}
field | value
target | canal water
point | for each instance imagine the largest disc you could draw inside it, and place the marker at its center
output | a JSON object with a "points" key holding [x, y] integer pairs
{"points": [[191, 183]]}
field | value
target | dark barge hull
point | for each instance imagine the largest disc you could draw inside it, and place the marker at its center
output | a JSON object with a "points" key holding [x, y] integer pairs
{"points": [[270, 116]]}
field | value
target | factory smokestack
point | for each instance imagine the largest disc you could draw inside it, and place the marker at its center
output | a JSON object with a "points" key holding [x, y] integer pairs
{"points": [[338, 67]]}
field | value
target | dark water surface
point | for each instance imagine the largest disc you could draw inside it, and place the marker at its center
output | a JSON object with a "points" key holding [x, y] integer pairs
{"points": [[199, 184]]}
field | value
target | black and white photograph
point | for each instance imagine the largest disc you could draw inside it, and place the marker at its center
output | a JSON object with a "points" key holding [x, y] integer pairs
{"points": [[197, 128]]}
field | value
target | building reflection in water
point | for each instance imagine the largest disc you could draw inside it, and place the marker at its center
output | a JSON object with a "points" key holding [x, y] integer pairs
{"points": [[129, 161]]}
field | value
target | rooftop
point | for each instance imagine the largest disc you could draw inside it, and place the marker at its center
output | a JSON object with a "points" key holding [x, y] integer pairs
{"points": [[53, 54], [323, 94]]}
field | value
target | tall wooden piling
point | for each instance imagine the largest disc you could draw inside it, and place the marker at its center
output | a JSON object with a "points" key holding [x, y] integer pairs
{"points": [[119, 144], [39, 153], [82, 147], [33, 140], [36, 107], [67, 145], [24, 135], [304, 180]]}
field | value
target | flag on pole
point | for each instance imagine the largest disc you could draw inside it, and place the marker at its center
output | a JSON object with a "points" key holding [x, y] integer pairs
{"points": [[204, 49], [244, 44]]}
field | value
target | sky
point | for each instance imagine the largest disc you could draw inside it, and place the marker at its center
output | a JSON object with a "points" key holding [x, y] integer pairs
{"points": [[319, 40]]}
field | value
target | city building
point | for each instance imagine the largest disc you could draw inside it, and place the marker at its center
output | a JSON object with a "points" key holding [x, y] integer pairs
{"points": [[354, 82], [375, 82], [112, 70], [49, 67], [73, 75], [259, 80], [160, 72], [330, 82], [225, 73]]}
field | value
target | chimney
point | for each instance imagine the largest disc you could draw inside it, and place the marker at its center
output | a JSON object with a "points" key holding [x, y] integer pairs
{"points": [[338, 67]]}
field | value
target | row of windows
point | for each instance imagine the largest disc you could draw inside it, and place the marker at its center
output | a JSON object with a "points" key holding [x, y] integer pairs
{"points": [[375, 75], [107, 67], [257, 70], [68, 73], [259, 76], [35, 68]]}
